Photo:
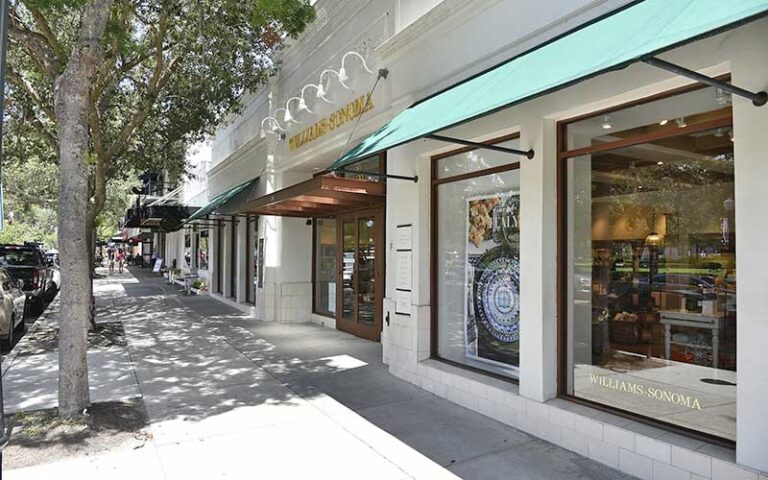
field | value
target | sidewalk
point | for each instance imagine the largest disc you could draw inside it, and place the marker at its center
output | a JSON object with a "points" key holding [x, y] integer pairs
{"points": [[230, 397]]}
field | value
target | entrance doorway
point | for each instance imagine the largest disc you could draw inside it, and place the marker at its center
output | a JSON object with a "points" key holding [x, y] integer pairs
{"points": [[360, 273]]}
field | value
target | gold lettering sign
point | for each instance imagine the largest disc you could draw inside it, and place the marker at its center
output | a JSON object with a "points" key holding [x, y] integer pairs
{"points": [[347, 113], [646, 391]]}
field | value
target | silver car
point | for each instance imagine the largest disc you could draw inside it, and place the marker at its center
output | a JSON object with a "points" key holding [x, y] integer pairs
{"points": [[12, 306]]}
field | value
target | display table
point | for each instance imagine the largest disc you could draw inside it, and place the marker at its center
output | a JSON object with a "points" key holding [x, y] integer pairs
{"points": [[713, 323]]}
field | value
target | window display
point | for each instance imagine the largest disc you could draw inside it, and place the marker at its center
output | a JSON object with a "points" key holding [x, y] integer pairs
{"points": [[202, 249], [325, 266], [651, 237], [476, 259]]}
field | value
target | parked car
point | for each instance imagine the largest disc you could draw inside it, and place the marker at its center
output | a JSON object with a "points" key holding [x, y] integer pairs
{"points": [[13, 302], [53, 261], [27, 263]]}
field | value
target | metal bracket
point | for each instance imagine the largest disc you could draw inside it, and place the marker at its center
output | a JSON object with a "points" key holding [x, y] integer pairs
{"points": [[758, 98], [413, 179], [487, 146]]}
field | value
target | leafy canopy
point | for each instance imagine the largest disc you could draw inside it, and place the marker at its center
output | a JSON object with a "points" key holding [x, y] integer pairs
{"points": [[172, 71]]}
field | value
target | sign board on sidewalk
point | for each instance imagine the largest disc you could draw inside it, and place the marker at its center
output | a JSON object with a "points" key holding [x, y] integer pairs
{"points": [[158, 265]]}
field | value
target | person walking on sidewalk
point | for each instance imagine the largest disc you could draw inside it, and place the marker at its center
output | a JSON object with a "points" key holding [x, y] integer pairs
{"points": [[120, 259], [111, 260]]}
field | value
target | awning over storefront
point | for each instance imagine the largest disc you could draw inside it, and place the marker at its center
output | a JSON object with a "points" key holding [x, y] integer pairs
{"points": [[319, 197], [632, 34], [221, 200]]}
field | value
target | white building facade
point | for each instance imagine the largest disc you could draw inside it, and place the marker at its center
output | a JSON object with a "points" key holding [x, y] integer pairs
{"points": [[587, 295]]}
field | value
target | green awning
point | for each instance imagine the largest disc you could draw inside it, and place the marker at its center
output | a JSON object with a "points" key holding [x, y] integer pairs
{"points": [[220, 200], [612, 42]]}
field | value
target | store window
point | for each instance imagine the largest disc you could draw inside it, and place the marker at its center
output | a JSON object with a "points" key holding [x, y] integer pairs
{"points": [[651, 270], [375, 164], [476, 258], [325, 267], [202, 250], [188, 249]]}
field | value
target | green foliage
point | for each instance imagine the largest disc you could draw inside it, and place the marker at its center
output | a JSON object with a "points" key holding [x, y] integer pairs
{"points": [[173, 71], [35, 224]]}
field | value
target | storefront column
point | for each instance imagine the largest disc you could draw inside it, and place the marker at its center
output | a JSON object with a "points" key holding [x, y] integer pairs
{"points": [[751, 151], [538, 262], [241, 259]]}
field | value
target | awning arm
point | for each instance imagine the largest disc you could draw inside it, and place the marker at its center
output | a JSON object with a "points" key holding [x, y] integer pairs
{"points": [[758, 98], [440, 138], [413, 179]]}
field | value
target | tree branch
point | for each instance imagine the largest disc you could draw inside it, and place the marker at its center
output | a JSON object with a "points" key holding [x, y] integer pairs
{"points": [[36, 46], [45, 31], [25, 85], [158, 81]]}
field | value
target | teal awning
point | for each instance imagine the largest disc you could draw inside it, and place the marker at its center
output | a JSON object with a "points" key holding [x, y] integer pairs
{"points": [[220, 200], [612, 42]]}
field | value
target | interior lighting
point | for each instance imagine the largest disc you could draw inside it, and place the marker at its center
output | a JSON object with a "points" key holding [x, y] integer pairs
{"points": [[659, 163], [653, 239], [663, 122], [681, 122], [730, 134], [606, 125]]}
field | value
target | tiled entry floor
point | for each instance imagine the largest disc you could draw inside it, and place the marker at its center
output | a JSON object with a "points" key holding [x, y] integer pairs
{"points": [[311, 359]]}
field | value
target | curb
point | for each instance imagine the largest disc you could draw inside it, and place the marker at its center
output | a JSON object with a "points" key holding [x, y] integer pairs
{"points": [[11, 357]]}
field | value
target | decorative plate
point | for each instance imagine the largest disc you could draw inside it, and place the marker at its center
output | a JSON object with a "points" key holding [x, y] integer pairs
{"points": [[497, 296]]}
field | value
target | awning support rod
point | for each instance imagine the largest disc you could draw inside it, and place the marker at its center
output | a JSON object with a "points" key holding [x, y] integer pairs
{"points": [[440, 138], [758, 98], [413, 179]]}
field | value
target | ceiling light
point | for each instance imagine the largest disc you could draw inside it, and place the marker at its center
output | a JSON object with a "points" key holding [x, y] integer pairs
{"points": [[681, 122], [663, 122], [653, 239], [730, 134], [607, 125], [640, 187], [719, 132], [659, 163]]}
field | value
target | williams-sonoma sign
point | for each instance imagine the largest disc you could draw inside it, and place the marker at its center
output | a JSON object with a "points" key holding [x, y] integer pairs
{"points": [[345, 114], [646, 391]]}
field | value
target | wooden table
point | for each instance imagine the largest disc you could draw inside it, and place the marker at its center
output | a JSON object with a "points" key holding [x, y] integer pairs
{"points": [[713, 323]]}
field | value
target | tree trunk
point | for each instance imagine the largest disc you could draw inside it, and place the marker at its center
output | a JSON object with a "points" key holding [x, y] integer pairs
{"points": [[71, 103]]}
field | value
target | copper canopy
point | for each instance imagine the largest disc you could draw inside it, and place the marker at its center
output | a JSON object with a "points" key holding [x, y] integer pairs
{"points": [[319, 197]]}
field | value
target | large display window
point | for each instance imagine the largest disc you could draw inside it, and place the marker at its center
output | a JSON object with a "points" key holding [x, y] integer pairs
{"points": [[476, 259], [649, 243], [202, 250], [325, 248]]}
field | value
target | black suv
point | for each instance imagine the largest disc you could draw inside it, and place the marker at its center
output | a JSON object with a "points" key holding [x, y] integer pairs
{"points": [[28, 263]]}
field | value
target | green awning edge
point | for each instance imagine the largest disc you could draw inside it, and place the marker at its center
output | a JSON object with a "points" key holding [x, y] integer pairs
{"points": [[220, 200], [611, 42]]}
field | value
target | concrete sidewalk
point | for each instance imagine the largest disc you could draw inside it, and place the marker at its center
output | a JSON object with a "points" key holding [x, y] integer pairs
{"points": [[230, 397]]}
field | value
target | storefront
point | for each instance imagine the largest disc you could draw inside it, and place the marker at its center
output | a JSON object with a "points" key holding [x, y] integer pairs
{"points": [[548, 234], [346, 212]]}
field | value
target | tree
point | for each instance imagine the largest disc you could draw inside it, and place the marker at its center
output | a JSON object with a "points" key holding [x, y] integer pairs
{"points": [[112, 86]]}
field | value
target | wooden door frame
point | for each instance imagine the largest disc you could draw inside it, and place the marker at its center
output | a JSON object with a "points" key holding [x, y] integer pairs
{"points": [[372, 332]]}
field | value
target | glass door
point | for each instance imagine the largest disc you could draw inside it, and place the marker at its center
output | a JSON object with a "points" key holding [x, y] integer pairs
{"points": [[360, 274]]}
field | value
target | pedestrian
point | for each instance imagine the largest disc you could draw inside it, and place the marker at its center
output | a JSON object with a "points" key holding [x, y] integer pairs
{"points": [[111, 260], [120, 259]]}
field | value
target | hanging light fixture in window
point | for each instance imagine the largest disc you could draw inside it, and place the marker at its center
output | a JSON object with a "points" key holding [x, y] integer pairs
{"points": [[681, 122], [663, 122], [730, 134], [606, 125]]}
